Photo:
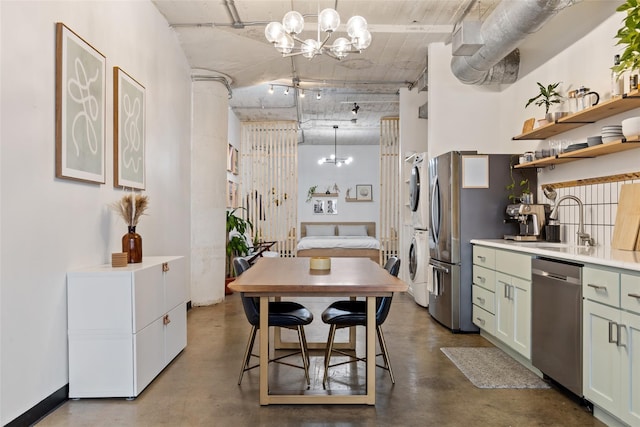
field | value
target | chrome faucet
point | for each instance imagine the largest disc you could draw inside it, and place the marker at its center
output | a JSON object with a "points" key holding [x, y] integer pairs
{"points": [[583, 238]]}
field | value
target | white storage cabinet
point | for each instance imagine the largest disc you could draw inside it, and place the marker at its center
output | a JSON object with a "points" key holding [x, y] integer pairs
{"points": [[611, 355], [124, 325], [502, 296]]}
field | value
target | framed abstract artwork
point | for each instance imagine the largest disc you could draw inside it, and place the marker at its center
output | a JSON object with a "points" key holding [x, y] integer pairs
{"points": [[80, 108], [364, 192], [230, 158], [128, 131]]}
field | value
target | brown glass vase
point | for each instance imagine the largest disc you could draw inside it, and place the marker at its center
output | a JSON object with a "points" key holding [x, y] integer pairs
{"points": [[132, 245]]}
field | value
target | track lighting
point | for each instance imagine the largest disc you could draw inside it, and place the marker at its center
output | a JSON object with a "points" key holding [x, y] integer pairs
{"points": [[286, 90], [356, 107], [301, 93], [318, 95], [271, 89]]}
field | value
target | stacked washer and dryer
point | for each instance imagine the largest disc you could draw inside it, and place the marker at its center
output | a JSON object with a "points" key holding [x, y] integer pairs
{"points": [[419, 248]]}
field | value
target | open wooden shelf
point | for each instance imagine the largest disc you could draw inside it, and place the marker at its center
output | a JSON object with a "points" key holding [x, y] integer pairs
{"points": [[616, 105], [585, 153], [353, 199], [324, 195]]}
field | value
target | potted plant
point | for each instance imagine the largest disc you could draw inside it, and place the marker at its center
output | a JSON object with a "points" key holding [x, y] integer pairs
{"points": [[547, 97], [629, 37], [237, 244]]}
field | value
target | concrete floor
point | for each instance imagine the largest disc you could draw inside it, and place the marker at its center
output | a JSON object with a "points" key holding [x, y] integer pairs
{"points": [[200, 387]]}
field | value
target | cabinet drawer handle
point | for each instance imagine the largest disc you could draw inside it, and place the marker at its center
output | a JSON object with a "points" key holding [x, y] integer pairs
{"points": [[597, 287], [481, 279], [481, 320], [165, 267], [634, 295], [481, 258], [166, 320], [482, 300]]}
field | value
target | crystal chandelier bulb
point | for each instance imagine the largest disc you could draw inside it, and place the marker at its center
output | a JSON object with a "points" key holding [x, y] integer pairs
{"points": [[328, 20], [310, 48], [349, 160], [356, 25], [341, 47], [321, 161], [273, 31], [363, 41], [338, 164], [284, 44], [293, 22], [333, 157]]}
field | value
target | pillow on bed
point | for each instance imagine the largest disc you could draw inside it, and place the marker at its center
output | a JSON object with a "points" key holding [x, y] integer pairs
{"points": [[321, 230], [352, 230]]}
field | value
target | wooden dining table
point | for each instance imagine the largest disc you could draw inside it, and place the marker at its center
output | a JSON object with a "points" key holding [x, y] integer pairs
{"points": [[292, 277]]}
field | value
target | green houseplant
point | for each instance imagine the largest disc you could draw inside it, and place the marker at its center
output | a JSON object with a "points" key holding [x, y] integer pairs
{"points": [[629, 37], [523, 184], [548, 96], [236, 245]]}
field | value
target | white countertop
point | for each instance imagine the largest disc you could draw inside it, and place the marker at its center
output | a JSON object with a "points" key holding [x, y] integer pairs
{"points": [[600, 255]]}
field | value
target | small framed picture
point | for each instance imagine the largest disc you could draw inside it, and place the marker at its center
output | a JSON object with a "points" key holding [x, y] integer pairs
{"points": [[332, 206], [230, 158], [318, 206], [235, 168], [364, 192]]}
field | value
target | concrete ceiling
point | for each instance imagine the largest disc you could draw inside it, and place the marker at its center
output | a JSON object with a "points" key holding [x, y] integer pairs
{"points": [[226, 38]]}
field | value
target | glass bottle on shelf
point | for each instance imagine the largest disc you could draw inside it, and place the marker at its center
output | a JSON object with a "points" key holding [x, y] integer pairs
{"points": [[617, 81]]}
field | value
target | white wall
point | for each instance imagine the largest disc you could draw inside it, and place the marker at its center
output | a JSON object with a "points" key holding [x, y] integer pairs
{"points": [[52, 225], [365, 169], [413, 129]]}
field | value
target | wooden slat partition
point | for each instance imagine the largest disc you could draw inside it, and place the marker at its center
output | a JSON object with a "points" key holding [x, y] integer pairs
{"points": [[389, 185], [269, 170]]}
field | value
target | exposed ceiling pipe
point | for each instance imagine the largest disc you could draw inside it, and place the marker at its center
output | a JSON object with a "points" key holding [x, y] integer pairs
{"points": [[498, 60]]}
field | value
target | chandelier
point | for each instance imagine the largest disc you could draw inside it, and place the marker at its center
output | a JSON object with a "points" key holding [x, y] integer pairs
{"points": [[284, 36], [334, 159]]}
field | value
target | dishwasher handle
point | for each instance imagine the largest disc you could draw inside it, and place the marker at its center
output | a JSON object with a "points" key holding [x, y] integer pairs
{"points": [[555, 276]]}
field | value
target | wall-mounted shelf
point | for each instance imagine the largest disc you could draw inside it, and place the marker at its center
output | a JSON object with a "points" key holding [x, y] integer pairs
{"points": [[616, 105], [324, 195], [351, 199], [585, 153]]}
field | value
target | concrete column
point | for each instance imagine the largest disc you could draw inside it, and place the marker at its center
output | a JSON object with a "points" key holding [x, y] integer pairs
{"points": [[208, 191]]}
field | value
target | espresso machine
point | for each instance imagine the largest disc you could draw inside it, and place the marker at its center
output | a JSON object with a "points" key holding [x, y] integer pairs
{"points": [[531, 219]]}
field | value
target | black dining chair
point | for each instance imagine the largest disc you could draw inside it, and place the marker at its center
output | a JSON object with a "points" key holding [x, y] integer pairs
{"points": [[284, 314], [348, 313]]}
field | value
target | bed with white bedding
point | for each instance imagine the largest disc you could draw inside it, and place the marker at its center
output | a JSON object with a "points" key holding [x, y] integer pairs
{"points": [[344, 239]]}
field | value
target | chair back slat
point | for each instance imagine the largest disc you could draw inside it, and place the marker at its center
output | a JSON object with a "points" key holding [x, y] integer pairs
{"points": [[383, 304]]}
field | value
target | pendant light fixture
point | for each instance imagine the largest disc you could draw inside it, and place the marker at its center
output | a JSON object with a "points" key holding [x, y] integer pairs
{"points": [[334, 159], [284, 35]]}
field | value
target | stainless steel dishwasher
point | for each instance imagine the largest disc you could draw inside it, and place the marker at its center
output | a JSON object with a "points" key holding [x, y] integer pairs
{"points": [[556, 321]]}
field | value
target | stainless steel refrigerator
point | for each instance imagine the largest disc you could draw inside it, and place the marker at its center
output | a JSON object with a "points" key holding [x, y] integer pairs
{"points": [[464, 205]]}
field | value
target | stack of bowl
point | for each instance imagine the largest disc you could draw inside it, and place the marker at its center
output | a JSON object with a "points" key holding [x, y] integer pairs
{"points": [[611, 133]]}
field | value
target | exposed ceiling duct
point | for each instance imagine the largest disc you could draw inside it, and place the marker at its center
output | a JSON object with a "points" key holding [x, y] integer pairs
{"points": [[498, 60]]}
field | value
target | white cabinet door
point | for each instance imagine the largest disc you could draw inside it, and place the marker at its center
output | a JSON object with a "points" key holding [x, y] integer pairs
{"points": [[175, 332], [521, 299], [149, 354], [148, 296], [601, 358], [631, 368], [504, 309], [175, 284]]}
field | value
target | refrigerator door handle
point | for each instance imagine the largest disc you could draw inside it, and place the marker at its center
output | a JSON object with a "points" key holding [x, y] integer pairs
{"points": [[435, 211]]}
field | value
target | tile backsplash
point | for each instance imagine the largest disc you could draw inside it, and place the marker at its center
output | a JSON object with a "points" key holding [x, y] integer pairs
{"points": [[600, 202]]}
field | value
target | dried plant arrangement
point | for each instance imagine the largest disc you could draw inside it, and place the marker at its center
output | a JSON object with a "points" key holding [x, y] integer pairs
{"points": [[131, 207]]}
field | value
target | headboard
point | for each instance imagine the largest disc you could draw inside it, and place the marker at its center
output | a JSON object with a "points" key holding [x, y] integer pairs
{"points": [[371, 226]]}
